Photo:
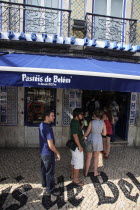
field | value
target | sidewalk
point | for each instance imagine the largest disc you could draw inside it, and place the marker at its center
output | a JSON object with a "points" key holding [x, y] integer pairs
{"points": [[118, 187]]}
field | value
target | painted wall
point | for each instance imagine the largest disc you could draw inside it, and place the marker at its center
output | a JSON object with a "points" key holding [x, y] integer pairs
{"points": [[136, 15], [24, 136], [13, 136]]}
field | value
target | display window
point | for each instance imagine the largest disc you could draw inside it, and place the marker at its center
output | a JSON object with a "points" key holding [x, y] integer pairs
{"points": [[38, 100]]}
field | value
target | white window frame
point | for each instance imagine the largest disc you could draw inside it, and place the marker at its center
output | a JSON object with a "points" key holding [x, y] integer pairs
{"points": [[108, 13], [60, 6]]}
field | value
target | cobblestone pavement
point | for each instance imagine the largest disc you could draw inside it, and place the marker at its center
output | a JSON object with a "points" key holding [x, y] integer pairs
{"points": [[117, 188]]}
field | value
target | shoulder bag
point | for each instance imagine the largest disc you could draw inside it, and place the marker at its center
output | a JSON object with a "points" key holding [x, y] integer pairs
{"points": [[71, 144]]}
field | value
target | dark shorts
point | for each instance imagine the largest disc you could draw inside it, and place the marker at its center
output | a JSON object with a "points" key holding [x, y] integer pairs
{"points": [[108, 135], [103, 136]]}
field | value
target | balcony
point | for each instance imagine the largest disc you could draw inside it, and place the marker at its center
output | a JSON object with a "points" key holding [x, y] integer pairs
{"points": [[34, 19], [110, 28]]}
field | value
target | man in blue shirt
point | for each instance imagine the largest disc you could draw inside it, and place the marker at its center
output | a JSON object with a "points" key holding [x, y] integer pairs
{"points": [[48, 151]]}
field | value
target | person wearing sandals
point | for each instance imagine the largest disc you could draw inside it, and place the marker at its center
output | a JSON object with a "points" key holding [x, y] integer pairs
{"points": [[95, 131], [77, 160]]}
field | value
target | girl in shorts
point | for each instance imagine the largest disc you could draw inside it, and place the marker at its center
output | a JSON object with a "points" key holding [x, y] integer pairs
{"points": [[94, 145]]}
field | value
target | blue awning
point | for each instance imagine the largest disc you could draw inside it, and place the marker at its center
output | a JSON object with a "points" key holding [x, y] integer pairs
{"points": [[68, 72]]}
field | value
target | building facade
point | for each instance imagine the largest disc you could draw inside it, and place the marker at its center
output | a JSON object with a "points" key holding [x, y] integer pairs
{"points": [[22, 108]]}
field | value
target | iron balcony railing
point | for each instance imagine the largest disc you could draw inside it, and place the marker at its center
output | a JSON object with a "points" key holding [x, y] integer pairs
{"points": [[34, 19], [37, 19], [110, 28]]}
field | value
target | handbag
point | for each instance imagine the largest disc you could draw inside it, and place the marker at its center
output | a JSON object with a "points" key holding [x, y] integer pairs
{"points": [[71, 144]]}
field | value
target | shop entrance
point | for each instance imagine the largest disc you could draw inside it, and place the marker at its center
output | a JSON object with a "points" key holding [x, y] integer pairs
{"points": [[105, 98]]}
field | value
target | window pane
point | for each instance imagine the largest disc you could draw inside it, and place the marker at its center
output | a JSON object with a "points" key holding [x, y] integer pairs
{"points": [[100, 7], [116, 8], [37, 101], [34, 2], [45, 3], [52, 3], [116, 26], [99, 23]]}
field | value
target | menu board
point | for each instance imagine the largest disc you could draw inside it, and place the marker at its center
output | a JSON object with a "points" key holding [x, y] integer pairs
{"points": [[72, 99], [8, 106]]}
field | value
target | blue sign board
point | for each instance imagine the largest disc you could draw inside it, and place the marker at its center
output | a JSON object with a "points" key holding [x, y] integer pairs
{"points": [[68, 81]]}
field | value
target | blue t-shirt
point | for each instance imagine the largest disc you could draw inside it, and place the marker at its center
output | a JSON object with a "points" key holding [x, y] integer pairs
{"points": [[45, 134]]}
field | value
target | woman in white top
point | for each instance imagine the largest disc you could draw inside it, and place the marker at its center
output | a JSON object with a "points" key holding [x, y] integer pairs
{"points": [[95, 130]]}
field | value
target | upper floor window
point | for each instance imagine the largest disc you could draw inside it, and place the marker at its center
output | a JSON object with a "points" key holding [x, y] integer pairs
{"points": [[109, 28], [43, 20], [44, 3], [40, 16], [109, 7]]}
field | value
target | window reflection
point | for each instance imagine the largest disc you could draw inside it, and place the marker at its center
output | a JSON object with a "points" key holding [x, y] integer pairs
{"points": [[38, 101]]}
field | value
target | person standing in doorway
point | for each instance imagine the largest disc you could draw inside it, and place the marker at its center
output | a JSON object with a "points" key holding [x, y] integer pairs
{"points": [[95, 130], [77, 160], [109, 121], [97, 103], [87, 120], [48, 152], [91, 106], [115, 111]]}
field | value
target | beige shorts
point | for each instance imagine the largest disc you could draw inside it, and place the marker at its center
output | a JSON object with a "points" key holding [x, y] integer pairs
{"points": [[77, 159]]}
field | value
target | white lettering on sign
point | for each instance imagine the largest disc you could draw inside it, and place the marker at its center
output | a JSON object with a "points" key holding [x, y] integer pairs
{"points": [[36, 78], [47, 79], [60, 79]]}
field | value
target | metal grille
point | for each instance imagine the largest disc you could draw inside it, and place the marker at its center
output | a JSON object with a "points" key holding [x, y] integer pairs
{"points": [[37, 19], [103, 27]]}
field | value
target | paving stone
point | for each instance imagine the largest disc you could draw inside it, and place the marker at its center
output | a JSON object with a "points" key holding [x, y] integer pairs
{"points": [[118, 187]]}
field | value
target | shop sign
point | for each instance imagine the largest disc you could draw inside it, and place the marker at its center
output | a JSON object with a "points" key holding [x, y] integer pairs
{"points": [[133, 109], [67, 81], [43, 80]]}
